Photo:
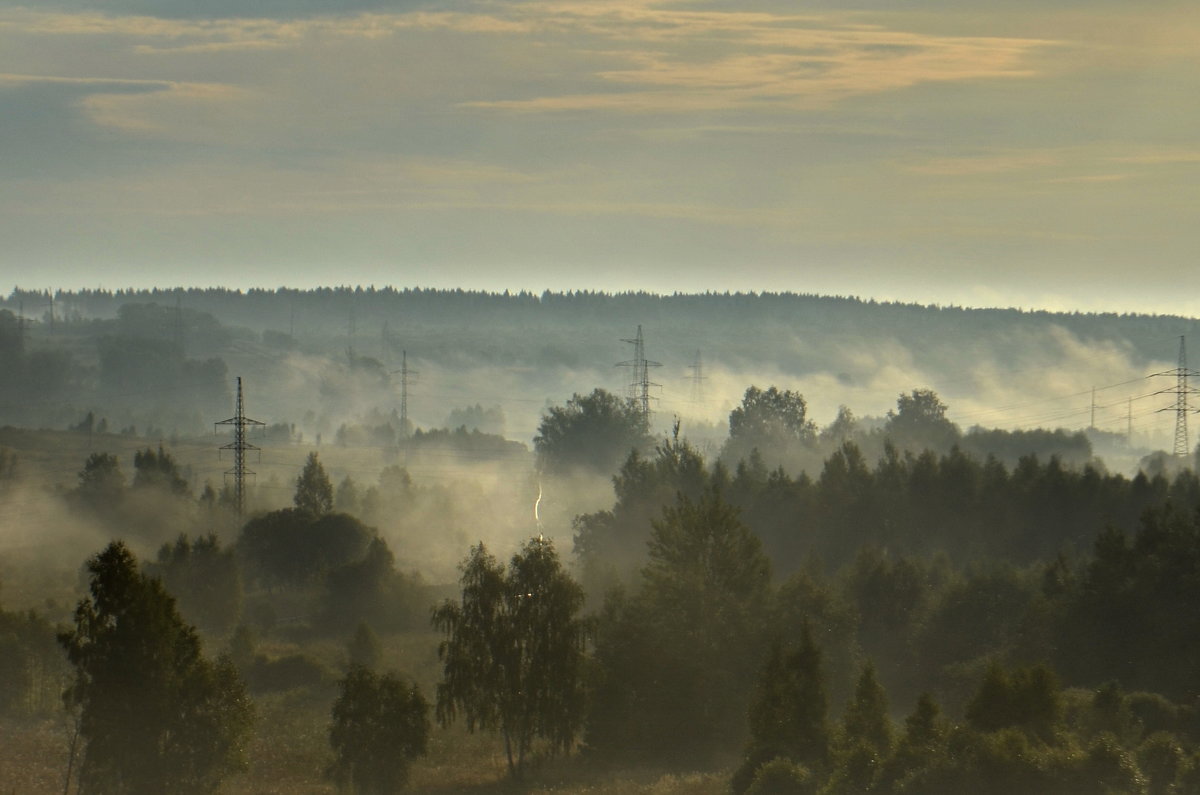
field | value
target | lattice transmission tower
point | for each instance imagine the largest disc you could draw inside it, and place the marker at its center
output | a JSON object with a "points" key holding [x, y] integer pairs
{"points": [[698, 378], [239, 446], [639, 385], [1181, 391], [405, 373]]}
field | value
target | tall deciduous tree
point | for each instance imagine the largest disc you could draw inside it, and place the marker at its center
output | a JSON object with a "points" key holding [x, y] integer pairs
{"points": [[592, 432], [771, 413], [380, 724], [920, 422], [676, 661], [156, 716], [707, 570], [297, 548], [773, 421], [514, 650]]}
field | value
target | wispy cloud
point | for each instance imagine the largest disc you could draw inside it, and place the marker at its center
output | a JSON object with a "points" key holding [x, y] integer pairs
{"points": [[985, 163], [656, 55], [956, 141], [714, 60], [160, 35], [20, 79], [1159, 157], [1089, 179], [1092, 163], [146, 112]]}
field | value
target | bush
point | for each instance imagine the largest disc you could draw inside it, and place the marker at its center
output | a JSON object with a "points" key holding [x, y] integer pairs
{"points": [[380, 724], [782, 777], [296, 548]]}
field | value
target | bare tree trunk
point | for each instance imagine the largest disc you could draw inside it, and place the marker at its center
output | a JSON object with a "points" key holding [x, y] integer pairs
{"points": [[512, 770], [75, 716]]}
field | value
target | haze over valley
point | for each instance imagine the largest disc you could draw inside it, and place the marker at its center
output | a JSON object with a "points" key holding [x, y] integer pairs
{"points": [[620, 397], [826, 487]]}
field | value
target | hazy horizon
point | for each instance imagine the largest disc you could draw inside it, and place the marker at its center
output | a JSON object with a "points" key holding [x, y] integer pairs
{"points": [[1025, 155], [1043, 303]]}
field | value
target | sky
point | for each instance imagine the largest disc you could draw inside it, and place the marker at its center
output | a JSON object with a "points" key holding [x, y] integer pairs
{"points": [[1033, 154]]}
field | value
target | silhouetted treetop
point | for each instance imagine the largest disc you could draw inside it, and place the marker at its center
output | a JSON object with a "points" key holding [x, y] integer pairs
{"points": [[593, 432], [314, 490]]}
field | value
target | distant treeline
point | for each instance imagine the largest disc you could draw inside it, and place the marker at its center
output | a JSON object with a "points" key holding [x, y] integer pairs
{"points": [[325, 360], [328, 310]]}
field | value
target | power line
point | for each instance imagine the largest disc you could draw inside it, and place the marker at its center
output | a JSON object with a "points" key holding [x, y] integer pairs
{"points": [[1181, 392], [639, 386], [239, 446], [698, 379], [404, 372]]}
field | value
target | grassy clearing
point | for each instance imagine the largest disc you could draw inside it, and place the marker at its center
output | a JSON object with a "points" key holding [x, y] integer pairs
{"points": [[289, 752]]}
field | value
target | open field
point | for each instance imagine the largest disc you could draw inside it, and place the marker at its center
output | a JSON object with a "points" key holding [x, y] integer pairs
{"points": [[289, 752]]}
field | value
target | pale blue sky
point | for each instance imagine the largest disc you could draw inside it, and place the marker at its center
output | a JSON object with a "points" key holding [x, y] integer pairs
{"points": [[1036, 154]]}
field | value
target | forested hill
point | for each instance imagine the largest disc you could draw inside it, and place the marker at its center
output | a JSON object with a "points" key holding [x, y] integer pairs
{"points": [[335, 352], [709, 320]]}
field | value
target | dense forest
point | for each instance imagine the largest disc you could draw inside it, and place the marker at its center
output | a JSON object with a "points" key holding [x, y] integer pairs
{"points": [[164, 359], [759, 599]]}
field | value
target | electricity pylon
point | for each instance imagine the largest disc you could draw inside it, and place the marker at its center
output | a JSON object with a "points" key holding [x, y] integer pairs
{"points": [[239, 446], [404, 372], [639, 386], [1181, 392], [698, 379]]}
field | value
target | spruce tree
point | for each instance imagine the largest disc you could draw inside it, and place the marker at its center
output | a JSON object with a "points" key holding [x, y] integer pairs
{"points": [[789, 713], [314, 490], [867, 713]]}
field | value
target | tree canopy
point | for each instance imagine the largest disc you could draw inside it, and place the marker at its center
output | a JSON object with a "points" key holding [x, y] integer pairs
{"points": [[157, 470], [920, 422], [772, 417], [789, 711], [380, 724], [591, 432], [156, 715], [293, 547], [314, 490], [513, 655], [680, 653]]}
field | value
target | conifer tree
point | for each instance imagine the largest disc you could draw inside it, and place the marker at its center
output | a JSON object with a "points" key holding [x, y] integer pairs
{"points": [[363, 649], [867, 713], [314, 490], [789, 713], [158, 470]]}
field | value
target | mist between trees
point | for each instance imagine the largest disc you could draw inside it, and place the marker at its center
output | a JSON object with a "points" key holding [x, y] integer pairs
{"points": [[323, 365], [772, 629], [889, 604]]}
